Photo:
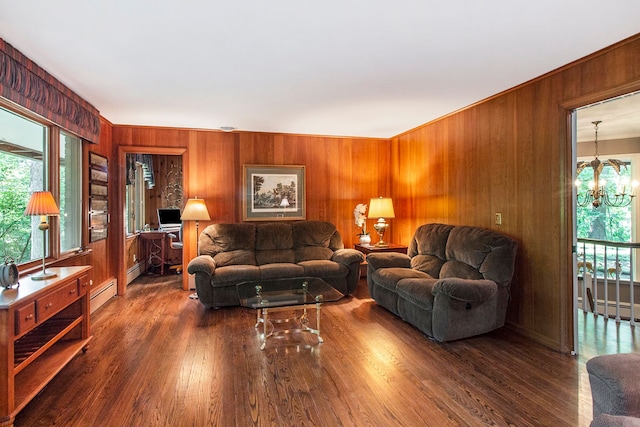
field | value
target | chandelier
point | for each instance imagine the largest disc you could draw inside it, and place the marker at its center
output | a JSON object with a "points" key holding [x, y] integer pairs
{"points": [[597, 194]]}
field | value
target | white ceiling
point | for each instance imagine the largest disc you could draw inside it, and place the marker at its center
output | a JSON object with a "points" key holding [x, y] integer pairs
{"points": [[350, 67]]}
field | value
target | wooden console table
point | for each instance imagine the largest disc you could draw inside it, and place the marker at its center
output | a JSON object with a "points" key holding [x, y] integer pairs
{"points": [[43, 325]]}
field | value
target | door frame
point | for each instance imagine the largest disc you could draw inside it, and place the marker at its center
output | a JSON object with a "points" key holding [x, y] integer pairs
{"points": [[121, 200]]}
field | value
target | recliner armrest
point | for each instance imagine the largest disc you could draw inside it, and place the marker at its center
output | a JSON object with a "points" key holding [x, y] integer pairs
{"points": [[347, 256], [202, 264], [388, 260], [467, 290], [615, 384]]}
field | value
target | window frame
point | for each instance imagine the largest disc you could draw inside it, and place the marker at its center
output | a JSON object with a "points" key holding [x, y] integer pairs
{"points": [[51, 152]]}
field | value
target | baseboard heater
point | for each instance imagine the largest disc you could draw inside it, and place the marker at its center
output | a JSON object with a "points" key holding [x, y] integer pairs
{"points": [[103, 293], [134, 271]]}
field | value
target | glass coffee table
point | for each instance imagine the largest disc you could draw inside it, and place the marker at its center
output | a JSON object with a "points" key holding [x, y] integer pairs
{"points": [[274, 295]]}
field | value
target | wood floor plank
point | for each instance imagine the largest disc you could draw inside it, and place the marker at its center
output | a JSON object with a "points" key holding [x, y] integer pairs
{"points": [[159, 358]]}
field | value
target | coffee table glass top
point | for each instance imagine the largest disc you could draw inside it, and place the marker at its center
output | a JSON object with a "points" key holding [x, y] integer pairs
{"points": [[286, 292]]}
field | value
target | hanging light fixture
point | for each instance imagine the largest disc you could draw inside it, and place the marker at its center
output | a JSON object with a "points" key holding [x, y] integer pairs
{"points": [[597, 194]]}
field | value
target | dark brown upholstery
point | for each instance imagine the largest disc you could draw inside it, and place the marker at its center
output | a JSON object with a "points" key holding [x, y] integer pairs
{"points": [[234, 253], [453, 283]]}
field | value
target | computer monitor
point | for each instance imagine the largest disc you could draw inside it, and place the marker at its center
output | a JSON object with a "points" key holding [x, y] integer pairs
{"points": [[169, 219]]}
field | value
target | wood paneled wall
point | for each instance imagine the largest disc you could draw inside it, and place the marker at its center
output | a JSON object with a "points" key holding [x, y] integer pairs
{"points": [[102, 252], [340, 172], [512, 154]]}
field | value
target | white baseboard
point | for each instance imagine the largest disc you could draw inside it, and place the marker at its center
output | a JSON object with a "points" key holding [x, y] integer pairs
{"points": [[135, 271], [103, 293]]}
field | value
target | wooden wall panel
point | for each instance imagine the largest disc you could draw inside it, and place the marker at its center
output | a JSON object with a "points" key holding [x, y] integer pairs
{"points": [[101, 251], [340, 172], [511, 154]]}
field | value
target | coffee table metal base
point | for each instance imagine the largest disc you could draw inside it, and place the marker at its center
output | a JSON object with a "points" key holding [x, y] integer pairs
{"points": [[302, 321]]}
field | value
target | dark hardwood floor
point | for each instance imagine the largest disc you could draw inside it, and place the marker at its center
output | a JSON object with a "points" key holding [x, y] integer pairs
{"points": [[158, 358]]}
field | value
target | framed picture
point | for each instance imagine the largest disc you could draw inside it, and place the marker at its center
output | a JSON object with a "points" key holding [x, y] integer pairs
{"points": [[272, 193]]}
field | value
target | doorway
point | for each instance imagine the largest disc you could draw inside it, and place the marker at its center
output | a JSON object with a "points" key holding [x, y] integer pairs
{"points": [[120, 215], [608, 130]]}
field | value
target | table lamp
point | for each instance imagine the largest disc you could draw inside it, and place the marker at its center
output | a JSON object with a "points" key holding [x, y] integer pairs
{"points": [[195, 210], [381, 208], [42, 203]]}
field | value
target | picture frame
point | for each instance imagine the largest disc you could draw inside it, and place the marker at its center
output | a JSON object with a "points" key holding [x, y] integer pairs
{"points": [[273, 193]]}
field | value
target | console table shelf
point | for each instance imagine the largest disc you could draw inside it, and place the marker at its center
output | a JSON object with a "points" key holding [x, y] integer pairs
{"points": [[43, 325]]}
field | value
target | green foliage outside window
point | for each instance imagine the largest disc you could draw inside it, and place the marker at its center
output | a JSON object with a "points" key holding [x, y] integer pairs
{"points": [[604, 222], [15, 227]]}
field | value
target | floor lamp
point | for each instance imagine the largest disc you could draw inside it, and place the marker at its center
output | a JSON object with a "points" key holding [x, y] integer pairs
{"points": [[195, 210], [42, 204]]}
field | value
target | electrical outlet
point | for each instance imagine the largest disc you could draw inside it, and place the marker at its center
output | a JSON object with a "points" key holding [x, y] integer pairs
{"points": [[498, 218]]}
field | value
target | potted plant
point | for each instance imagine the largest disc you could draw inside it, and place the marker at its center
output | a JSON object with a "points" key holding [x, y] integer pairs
{"points": [[361, 221]]}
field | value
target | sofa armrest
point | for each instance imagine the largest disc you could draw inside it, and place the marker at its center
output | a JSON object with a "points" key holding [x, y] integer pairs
{"points": [[388, 260], [615, 384], [347, 256], [202, 264], [467, 290]]}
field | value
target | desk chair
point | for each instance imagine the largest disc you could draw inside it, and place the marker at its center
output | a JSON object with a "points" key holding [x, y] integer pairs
{"points": [[175, 242]]}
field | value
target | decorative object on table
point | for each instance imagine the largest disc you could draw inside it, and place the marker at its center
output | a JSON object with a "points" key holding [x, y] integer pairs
{"points": [[597, 192], [195, 210], [361, 221], [42, 204], [8, 273], [265, 188], [284, 204], [381, 208], [98, 193]]}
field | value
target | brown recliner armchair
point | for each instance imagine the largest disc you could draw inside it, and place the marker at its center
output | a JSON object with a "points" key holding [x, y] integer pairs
{"points": [[615, 389], [453, 283]]}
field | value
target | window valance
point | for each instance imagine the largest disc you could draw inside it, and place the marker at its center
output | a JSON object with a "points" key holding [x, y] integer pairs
{"points": [[22, 81]]}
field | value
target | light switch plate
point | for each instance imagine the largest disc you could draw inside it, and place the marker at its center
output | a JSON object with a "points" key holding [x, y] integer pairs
{"points": [[498, 218]]}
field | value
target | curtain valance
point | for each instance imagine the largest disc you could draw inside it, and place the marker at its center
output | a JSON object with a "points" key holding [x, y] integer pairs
{"points": [[22, 81]]}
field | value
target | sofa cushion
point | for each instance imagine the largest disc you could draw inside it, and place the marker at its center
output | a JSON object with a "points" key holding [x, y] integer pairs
{"points": [[324, 269], [460, 270], [312, 233], [280, 270], [430, 239], [274, 244], [309, 253], [427, 263], [218, 238], [235, 273], [470, 245], [237, 257], [389, 277], [417, 291]]}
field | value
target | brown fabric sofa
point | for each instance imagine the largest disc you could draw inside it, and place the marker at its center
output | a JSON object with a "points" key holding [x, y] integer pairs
{"points": [[453, 283], [234, 253], [615, 389]]}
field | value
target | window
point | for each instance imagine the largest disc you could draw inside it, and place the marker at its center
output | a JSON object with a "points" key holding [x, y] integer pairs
{"points": [[70, 192], [26, 163], [135, 203]]}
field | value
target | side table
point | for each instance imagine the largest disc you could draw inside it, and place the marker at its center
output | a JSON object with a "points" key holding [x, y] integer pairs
{"points": [[370, 249]]}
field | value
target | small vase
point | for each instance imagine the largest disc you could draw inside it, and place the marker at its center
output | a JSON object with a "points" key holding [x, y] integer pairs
{"points": [[365, 239]]}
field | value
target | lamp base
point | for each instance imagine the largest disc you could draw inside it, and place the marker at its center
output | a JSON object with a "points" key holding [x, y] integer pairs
{"points": [[43, 276], [381, 245]]}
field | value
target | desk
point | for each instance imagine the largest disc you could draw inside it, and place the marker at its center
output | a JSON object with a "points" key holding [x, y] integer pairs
{"points": [[370, 249], [154, 248]]}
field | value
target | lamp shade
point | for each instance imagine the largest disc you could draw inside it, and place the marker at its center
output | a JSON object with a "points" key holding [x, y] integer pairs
{"points": [[42, 203], [382, 207], [195, 210]]}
